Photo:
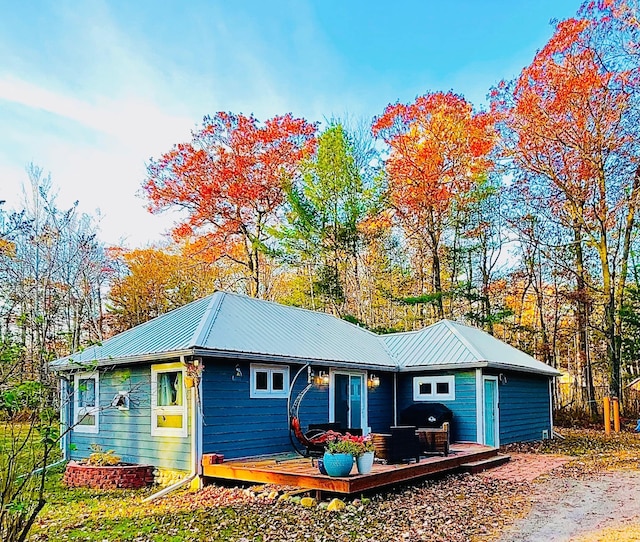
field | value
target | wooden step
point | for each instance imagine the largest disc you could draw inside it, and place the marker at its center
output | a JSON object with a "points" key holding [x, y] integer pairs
{"points": [[475, 467]]}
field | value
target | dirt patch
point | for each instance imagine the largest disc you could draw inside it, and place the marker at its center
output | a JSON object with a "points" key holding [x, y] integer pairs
{"points": [[569, 509]]}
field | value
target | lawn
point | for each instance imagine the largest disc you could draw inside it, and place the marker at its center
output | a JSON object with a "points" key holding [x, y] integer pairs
{"points": [[453, 508]]}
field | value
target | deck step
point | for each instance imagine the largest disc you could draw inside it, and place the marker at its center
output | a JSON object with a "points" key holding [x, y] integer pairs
{"points": [[474, 467]]}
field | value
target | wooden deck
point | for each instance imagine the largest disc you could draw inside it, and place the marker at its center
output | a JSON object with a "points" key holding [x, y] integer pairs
{"points": [[300, 472]]}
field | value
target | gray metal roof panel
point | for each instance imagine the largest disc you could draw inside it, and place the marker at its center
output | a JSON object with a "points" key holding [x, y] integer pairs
{"points": [[169, 332], [248, 325], [448, 343]]}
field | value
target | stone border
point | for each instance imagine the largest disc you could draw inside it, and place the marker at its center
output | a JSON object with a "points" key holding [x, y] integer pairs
{"points": [[108, 477]]}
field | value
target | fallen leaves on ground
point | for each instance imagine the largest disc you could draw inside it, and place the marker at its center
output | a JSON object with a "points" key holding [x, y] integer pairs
{"points": [[593, 450], [454, 508]]}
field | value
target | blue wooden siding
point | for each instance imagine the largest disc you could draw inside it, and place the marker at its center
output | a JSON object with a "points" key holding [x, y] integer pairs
{"points": [[128, 433], [463, 426], [234, 424], [238, 426], [380, 404], [524, 408]]}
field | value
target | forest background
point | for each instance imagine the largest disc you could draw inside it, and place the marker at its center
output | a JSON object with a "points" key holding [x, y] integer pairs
{"points": [[521, 220]]}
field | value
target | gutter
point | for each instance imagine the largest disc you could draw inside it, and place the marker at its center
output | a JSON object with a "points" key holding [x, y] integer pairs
{"points": [[196, 423]]}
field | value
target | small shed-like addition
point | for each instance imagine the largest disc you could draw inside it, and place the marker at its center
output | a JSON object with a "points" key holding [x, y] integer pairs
{"points": [[498, 394], [218, 376]]}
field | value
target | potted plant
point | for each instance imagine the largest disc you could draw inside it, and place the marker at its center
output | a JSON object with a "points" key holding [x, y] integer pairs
{"points": [[365, 455], [339, 453]]}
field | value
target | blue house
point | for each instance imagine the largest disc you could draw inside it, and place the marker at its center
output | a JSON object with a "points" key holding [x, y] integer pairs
{"points": [[219, 375]]}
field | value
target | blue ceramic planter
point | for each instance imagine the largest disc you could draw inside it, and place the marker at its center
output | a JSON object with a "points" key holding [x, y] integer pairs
{"points": [[338, 464]]}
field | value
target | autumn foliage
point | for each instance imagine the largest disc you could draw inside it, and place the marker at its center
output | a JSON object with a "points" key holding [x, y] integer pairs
{"points": [[438, 149], [230, 181]]}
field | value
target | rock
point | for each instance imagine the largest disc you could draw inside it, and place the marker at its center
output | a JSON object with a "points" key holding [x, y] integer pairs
{"points": [[336, 505], [308, 502]]}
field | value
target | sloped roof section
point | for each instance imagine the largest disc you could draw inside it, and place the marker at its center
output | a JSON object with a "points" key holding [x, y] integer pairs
{"points": [[170, 333], [247, 325], [448, 344], [225, 323]]}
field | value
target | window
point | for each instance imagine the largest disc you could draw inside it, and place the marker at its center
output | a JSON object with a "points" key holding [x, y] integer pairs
{"points": [[269, 381], [434, 388], [168, 400], [86, 406]]}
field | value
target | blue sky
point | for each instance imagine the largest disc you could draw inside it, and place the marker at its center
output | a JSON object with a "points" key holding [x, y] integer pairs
{"points": [[90, 90]]}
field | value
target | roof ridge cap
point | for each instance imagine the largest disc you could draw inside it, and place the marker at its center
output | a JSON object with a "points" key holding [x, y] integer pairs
{"points": [[208, 318], [450, 325]]}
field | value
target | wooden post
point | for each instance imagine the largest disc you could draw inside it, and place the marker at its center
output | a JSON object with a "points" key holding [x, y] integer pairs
{"points": [[616, 415], [607, 415]]}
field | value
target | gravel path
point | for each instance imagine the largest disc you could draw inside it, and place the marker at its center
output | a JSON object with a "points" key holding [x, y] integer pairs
{"points": [[566, 509]]}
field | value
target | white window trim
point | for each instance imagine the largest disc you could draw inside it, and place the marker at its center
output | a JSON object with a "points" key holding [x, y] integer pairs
{"points": [[78, 411], [269, 393], [170, 410], [434, 381]]}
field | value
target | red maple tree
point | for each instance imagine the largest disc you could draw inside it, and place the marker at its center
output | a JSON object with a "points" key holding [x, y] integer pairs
{"points": [[229, 179], [438, 149]]}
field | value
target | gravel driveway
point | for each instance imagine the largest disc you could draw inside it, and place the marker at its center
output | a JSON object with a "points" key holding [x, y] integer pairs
{"points": [[566, 509]]}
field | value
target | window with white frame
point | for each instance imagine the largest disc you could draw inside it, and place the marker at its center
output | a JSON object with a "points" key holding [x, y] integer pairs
{"points": [[434, 388], [168, 400], [86, 407], [269, 381]]}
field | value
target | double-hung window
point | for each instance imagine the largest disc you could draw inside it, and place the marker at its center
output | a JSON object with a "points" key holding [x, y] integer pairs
{"points": [[168, 400], [86, 408], [269, 381], [434, 388]]}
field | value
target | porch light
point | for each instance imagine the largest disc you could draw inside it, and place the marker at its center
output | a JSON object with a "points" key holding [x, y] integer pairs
{"points": [[322, 379], [373, 381], [238, 372]]}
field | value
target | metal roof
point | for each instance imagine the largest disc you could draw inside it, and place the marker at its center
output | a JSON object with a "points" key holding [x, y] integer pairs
{"points": [[169, 334], [448, 344], [233, 325]]}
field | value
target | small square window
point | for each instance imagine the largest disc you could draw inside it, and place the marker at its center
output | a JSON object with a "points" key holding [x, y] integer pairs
{"points": [[278, 381], [262, 380], [442, 388], [425, 388], [434, 388], [269, 381]]}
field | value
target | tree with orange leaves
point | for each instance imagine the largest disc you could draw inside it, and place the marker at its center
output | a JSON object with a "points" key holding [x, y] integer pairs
{"points": [[438, 149], [229, 179], [571, 124]]}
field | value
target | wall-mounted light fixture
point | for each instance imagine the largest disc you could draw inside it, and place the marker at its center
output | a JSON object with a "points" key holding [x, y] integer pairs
{"points": [[322, 379], [502, 378], [237, 373], [373, 381]]}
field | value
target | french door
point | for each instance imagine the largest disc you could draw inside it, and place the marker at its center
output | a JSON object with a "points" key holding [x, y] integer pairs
{"points": [[348, 399]]}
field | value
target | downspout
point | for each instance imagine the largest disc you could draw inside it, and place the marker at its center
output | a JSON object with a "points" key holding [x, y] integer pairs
{"points": [[195, 463], [65, 417]]}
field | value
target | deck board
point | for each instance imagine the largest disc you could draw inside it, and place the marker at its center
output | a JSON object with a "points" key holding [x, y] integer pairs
{"points": [[300, 472]]}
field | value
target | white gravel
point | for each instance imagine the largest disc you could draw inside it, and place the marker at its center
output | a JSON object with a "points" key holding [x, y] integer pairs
{"points": [[565, 508]]}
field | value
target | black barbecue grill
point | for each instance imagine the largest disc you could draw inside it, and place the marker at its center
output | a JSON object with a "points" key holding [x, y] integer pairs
{"points": [[426, 415]]}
